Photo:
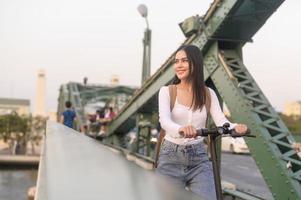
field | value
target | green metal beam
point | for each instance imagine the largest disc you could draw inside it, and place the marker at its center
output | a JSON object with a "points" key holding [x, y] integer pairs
{"points": [[247, 17], [81, 95], [272, 148]]}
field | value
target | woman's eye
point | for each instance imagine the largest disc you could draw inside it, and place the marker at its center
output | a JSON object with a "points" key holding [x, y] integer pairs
{"points": [[181, 60]]}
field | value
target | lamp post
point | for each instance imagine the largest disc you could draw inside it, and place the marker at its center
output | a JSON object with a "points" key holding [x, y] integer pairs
{"points": [[146, 45]]}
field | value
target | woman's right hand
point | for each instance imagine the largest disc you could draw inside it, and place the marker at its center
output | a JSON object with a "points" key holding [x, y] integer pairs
{"points": [[188, 131]]}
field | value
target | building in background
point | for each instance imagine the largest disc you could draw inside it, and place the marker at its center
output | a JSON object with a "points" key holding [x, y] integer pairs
{"points": [[114, 80], [52, 116], [292, 109], [9, 105], [40, 94]]}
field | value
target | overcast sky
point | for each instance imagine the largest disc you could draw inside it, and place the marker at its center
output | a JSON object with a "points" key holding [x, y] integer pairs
{"points": [[71, 39]]}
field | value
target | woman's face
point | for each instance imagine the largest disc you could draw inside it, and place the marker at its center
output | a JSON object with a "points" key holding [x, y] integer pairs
{"points": [[181, 65]]}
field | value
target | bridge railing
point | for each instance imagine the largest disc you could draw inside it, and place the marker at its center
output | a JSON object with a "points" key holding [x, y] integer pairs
{"points": [[74, 166]]}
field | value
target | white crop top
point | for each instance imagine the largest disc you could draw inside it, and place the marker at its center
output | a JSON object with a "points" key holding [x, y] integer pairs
{"points": [[182, 115]]}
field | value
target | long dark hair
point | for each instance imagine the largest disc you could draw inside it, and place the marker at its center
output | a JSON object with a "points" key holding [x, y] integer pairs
{"points": [[196, 75]]}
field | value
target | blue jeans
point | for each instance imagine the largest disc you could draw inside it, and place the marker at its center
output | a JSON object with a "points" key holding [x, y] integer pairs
{"points": [[188, 166]]}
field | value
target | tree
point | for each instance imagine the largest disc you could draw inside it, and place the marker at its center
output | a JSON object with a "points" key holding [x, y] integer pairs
{"points": [[19, 130]]}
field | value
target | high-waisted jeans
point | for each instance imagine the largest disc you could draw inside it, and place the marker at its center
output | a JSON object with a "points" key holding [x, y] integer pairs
{"points": [[188, 166]]}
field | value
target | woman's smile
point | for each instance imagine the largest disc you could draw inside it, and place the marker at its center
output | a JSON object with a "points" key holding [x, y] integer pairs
{"points": [[180, 72]]}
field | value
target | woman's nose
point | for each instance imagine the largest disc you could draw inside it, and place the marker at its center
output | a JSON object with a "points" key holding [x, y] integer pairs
{"points": [[179, 67]]}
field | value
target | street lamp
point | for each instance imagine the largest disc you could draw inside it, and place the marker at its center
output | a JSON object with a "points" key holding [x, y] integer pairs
{"points": [[142, 9]]}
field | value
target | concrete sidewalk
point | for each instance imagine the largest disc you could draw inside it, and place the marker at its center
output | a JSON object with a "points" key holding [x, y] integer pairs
{"points": [[19, 160]]}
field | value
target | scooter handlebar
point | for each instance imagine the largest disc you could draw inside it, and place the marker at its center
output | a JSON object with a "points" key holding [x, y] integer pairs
{"points": [[221, 130]]}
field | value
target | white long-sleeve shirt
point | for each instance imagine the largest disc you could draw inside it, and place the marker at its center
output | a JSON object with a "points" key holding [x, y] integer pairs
{"points": [[182, 115]]}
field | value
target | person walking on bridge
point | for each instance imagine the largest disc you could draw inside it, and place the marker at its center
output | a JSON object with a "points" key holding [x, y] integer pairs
{"points": [[183, 156], [68, 116]]}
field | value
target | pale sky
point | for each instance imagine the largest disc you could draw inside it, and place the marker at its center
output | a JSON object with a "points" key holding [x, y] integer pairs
{"points": [[71, 39]]}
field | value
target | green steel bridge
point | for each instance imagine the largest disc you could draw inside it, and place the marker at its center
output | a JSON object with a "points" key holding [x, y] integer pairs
{"points": [[221, 34]]}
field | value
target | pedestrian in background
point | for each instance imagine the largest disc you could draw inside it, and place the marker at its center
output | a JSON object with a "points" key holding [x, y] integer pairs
{"points": [[68, 116]]}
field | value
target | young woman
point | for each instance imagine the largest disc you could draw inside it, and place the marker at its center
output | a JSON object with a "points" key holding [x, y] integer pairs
{"points": [[183, 157]]}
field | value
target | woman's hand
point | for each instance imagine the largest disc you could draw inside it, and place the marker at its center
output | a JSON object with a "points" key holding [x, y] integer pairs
{"points": [[241, 129], [188, 131]]}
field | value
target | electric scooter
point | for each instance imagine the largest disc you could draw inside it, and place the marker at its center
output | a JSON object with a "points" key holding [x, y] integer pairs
{"points": [[213, 134]]}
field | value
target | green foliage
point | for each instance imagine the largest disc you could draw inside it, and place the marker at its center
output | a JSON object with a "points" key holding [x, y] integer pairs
{"points": [[297, 137], [38, 125], [13, 126], [292, 123]]}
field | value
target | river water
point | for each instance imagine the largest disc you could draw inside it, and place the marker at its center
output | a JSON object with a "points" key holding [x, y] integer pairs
{"points": [[15, 183]]}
